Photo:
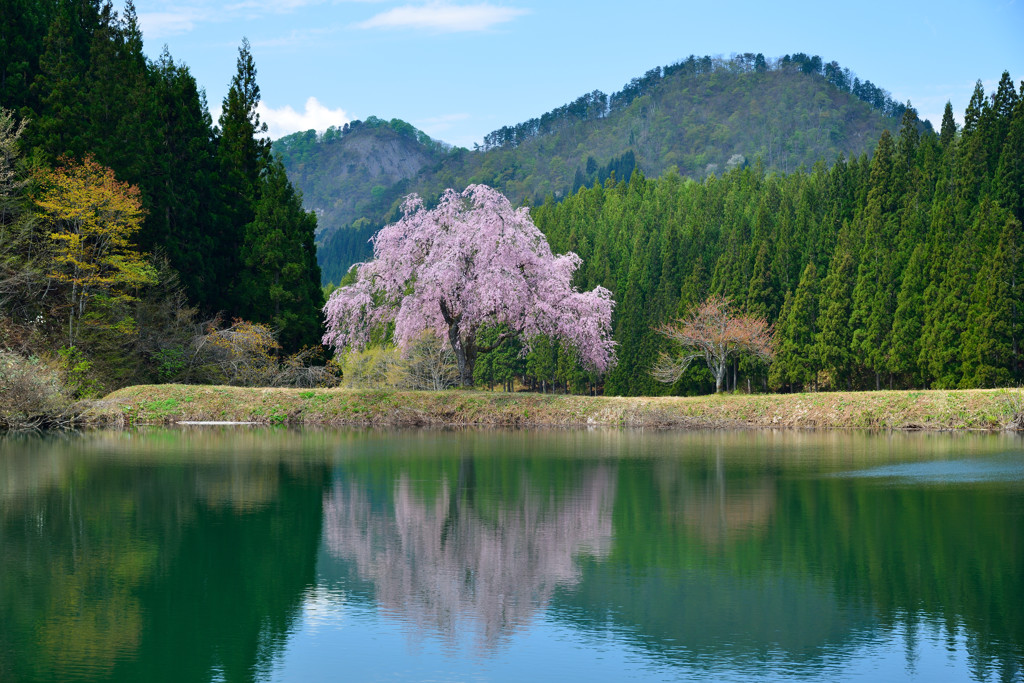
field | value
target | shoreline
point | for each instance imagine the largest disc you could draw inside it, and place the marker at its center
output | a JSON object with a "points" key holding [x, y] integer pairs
{"points": [[931, 410]]}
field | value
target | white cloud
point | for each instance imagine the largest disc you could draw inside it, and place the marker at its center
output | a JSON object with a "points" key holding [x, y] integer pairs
{"points": [[285, 120], [443, 17], [303, 38], [162, 24], [161, 18], [265, 6]]}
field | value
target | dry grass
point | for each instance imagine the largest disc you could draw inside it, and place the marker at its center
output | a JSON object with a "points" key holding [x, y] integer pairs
{"points": [[931, 410]]}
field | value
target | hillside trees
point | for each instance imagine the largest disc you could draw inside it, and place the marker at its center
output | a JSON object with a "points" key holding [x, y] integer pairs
{"points": [[597, 105], [701, 117], [472, 261], [914, 254]]}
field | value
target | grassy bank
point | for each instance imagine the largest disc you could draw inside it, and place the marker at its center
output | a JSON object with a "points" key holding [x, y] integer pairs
{"points": [[933, 410]]}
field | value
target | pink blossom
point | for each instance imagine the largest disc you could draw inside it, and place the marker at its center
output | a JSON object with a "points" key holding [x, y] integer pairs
{"points": [[471, 261]]}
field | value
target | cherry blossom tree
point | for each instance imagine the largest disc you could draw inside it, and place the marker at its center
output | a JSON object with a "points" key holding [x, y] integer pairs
{"points": [[713, 332], [471, 261]]}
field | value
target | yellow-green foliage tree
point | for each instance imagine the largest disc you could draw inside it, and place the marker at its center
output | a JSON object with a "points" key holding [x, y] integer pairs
{"points": [[92, 218]]}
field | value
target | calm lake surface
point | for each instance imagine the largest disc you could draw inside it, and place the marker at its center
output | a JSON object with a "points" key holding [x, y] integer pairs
{"points": [[238, 554]]}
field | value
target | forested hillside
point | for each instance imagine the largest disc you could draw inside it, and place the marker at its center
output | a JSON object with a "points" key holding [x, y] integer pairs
{"points": [[698, 117], [902, 270]]}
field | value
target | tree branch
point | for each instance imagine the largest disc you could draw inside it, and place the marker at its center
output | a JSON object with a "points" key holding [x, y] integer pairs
{"points": [[490, 347]]}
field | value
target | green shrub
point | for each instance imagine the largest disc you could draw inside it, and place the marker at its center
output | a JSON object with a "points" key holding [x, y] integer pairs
{"points": [[374, 367], [78, 373]]}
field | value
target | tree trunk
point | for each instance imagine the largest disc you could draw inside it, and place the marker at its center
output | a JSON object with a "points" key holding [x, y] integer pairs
{"points": [[464, 346], [720, 377]]}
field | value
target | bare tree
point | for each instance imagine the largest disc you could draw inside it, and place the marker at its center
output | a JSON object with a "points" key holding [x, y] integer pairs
{"points": [[430, 363], [714, 333], [247, 354]]}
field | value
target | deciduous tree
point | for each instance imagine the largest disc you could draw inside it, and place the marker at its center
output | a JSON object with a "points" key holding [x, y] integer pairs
{"points": [[716, 334], [471, 261], [93, 218]]}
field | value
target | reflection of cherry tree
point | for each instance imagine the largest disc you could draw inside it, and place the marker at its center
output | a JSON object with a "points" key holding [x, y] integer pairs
{"points": [[443, 563]]}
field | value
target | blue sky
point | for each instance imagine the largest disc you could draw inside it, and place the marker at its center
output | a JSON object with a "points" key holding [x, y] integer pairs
{"points": [[458, 69]]}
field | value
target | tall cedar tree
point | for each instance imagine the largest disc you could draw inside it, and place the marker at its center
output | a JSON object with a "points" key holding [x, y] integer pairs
{"points": [[874, 293], [796, 362], [243, 156], [59, 87], [281, 280], [181, 188]]}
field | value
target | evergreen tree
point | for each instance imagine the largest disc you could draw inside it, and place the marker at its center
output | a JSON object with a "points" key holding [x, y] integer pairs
{"points": [[942, 343], [909, 319], [973, 148], [948, 129], [975, 108], [760, 300], [874, 295], [995, 324], [500, 365], [796, 362], [1004, 102], [907, 144], [243, 146], [1009, 182], [59, 88], [24, 25], [243, 154], [118, 102], [542, 363], [281, 281], [185, 205], [835, 337]]}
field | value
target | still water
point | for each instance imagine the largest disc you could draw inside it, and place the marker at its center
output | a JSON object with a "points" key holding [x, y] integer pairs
{"points": [[274, 555]]}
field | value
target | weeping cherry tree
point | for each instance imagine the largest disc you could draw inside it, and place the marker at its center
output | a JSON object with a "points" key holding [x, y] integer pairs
{"points": [[470, 262]]}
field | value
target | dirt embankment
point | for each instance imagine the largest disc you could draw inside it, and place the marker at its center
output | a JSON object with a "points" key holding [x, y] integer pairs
{"points": [[932, 410]]}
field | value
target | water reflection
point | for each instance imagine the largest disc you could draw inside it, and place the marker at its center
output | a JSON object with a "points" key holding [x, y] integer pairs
{"points": [[224, 555], [163, 568], [762, 565], [444, 562]]}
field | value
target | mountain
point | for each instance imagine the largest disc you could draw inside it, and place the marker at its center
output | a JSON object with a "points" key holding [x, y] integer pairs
{"points": [[698, 117], [356, 170]]}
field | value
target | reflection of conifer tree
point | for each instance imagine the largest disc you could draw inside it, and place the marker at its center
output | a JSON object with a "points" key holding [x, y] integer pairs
{"points": [[154, 572]]}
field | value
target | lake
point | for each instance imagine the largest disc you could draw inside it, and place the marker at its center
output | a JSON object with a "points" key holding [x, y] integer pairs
{"points": [[242, 554]]}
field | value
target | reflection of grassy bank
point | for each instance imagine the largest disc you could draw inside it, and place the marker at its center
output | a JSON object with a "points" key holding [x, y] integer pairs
{"points": [[974, 409]]}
